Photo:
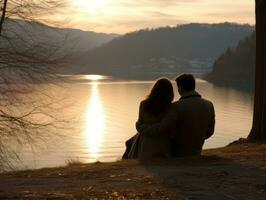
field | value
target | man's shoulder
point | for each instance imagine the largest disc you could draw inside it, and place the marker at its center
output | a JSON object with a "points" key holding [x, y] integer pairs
{"points": [[208, 102], [186, 102], [208, 105]]}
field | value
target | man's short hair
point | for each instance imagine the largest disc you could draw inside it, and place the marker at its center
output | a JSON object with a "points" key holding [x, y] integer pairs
{"points": [[186, 82]]}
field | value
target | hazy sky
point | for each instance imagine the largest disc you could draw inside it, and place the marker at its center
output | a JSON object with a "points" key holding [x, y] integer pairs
{"points": [[121, 16]]}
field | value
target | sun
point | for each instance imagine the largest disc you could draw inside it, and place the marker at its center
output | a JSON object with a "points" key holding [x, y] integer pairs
{"points": [[92, 5]]}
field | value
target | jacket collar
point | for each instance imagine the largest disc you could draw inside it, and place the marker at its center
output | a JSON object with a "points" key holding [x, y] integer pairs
{"points": [[190, 94]]}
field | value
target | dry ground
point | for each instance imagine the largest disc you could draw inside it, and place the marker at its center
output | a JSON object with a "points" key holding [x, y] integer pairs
{"points": [[237, 171]]}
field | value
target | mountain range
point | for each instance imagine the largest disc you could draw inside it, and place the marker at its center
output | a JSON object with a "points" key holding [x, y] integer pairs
{"points": [[71, 41], [150, 53]]}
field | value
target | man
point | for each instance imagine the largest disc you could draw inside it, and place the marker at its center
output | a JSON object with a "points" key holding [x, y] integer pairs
{"points": [[190, 121]]}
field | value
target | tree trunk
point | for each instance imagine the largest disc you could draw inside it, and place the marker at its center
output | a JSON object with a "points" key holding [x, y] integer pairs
{"points": [[258, 131], [3, 16]]}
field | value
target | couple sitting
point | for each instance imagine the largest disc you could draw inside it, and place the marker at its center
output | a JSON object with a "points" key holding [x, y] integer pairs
{"points": [[167, 129]]}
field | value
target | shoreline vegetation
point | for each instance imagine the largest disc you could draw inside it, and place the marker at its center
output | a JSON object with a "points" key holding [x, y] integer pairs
{"points": [[236, 67], [237, 171]]}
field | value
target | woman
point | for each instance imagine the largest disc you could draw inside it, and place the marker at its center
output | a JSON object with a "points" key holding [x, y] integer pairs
{"points": [[152, 110]]}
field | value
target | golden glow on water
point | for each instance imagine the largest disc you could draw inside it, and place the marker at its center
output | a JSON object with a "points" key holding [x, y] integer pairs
{"points": [[107, 116], [94, 130]]}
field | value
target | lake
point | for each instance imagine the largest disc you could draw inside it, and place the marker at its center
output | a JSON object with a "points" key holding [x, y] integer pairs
{"points": [[104, 112]]}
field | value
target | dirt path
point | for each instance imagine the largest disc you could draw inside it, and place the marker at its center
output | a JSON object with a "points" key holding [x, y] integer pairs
{"points": [[234, 172]]}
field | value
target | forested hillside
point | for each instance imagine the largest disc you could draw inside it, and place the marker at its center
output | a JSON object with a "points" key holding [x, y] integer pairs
{"points": [[236, 67], [185, 48]]}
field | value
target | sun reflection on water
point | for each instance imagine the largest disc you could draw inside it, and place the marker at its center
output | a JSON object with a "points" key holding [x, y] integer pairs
{"points": [[93, 77], [94, 129]]}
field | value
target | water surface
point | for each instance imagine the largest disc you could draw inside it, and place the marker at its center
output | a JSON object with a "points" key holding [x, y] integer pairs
{"points": [[104, 115]]}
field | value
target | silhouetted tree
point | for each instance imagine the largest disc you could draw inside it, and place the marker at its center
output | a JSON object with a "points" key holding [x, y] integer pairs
{"points": [[258, 131], [25, 61], [4, 9]]}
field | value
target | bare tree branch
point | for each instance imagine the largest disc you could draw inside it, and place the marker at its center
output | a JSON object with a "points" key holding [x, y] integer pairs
{"points": [[27, 59]]}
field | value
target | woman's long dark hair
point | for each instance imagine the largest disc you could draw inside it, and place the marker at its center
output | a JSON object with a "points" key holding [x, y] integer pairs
{"points": [[160, 97]]}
